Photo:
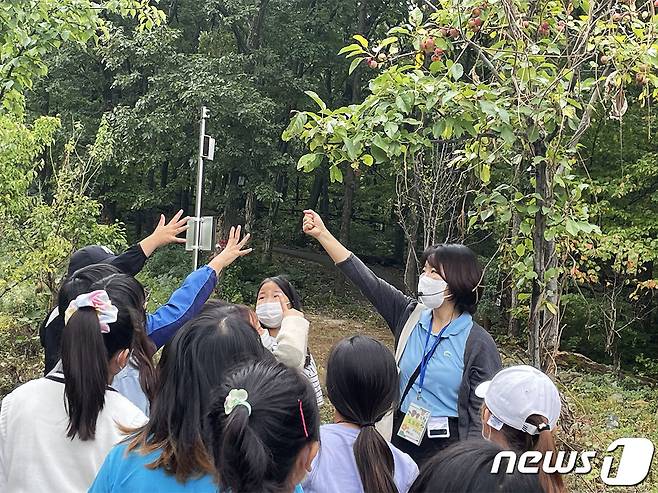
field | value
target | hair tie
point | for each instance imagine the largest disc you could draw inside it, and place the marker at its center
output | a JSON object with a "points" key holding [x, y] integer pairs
{"points": [[301, 413], [365, 425], [98, 300], [235, 398], [543, 427]]}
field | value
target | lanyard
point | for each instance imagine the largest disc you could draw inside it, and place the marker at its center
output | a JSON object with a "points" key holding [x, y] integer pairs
{"points": [[427, 355]]}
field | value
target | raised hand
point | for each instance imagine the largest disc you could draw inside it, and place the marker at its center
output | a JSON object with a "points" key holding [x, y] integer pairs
{"points": [[288, 310], [164, 234], [232, 250], [312, 224]]}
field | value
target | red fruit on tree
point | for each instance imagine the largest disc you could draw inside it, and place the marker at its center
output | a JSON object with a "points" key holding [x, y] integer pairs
{"points": [[617, 17], [545, 26], [471, 23], [372, 63], [454, 33], [655, 4], [438, 51], [561, 25], [476, 12], [525, 24], [478, 21], [436, 58], [428, 45], [444, 31], [605, 59], [475, 29]]}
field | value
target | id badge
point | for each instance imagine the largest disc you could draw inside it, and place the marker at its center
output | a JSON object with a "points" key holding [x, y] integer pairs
{"points": [[438, 427], [414, 424]]}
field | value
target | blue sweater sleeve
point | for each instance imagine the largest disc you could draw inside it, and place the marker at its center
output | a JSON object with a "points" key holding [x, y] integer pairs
{"points": [[183, 305]]}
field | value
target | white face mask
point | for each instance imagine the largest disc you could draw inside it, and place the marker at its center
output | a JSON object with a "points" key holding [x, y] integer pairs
{"points": [[270, 314], [431, 292]]}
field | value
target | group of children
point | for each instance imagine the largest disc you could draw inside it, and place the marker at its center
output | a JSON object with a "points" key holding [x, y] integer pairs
{"points": [[233, 402]]}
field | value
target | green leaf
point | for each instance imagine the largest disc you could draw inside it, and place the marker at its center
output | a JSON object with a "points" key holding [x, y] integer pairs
{"points": [[362, 41], [308, 162], [388, 41], [456, 71], [317, 99], [485, 173], [295, 127], [405, 101], [572, 227], [354, 64], [352, 47], [335, 174], [379, 154], [416, 17], [390, 129], [520, 249]]}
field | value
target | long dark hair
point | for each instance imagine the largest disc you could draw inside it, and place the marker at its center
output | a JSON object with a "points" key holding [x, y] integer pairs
{"points": [[142, 349], [362, 384], [287, 288], [195, 362], [543, 442], [466, 466], [461, 270], [256, 451], [86, 352]]}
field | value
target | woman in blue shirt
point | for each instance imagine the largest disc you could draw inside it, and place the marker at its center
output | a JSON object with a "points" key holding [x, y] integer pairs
{"points": [[443, 355]]}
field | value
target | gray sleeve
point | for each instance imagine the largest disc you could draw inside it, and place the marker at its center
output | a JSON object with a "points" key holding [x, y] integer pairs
{"points": [[486, 363], [390, 302]]}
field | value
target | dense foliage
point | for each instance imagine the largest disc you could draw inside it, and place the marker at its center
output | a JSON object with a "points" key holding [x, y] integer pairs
{"points": [[522, 128]]}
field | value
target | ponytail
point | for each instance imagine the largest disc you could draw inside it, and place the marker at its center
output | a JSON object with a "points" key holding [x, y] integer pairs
{"points": [[86, 349], [256, 442], [242, 454], [374, 461], [542, 442], [84, 362], [362, 383], [545, 442]]}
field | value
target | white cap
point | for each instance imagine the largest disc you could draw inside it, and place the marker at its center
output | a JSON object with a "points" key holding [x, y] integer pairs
{"points": [[518, 392]]}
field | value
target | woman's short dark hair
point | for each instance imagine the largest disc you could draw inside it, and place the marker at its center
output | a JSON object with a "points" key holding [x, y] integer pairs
{"points": [[86, 350], [194, 365], [287, 288], [460, 268], [466, 466], [363, 385], [256, 450]]}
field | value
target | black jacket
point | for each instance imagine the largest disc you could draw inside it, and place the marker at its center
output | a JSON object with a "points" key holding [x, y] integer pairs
{"points": [[481, 358]]}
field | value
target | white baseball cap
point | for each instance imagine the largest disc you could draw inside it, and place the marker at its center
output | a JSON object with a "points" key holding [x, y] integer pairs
{"points": [[518, 392]]}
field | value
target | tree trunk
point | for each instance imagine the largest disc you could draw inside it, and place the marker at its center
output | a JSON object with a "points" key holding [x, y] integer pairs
{"points": [[349, 187], [411, 267], [544, 324], [266, 258], [249, 212], [513, 322]]}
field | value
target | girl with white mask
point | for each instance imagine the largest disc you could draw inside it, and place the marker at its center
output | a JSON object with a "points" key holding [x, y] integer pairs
{"points": [[442, 353], [278, 306]]}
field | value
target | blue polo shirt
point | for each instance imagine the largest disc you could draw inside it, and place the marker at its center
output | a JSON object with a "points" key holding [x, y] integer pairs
{"points": [[444, 371]]}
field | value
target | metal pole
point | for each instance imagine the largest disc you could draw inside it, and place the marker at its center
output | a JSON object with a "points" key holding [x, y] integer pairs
{"points": [[199, 188]]}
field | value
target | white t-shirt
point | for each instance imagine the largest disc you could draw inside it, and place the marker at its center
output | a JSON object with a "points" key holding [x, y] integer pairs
{"points": [[35, 453]]}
